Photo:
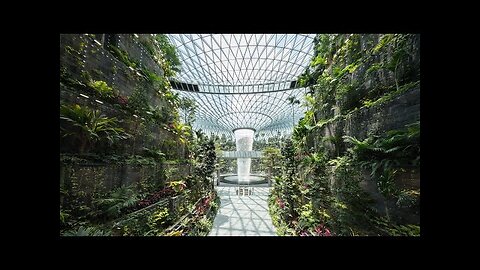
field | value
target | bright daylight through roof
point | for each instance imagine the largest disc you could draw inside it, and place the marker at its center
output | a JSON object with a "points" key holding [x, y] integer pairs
{"points": [[239, 135]]}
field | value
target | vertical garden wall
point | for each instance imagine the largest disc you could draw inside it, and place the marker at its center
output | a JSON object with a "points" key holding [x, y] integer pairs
{"points": [[128, 164], [131, 165], [352, 166]]}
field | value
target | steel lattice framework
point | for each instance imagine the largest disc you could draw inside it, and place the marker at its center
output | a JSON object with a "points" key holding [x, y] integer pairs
{"points": [[243, 80]]}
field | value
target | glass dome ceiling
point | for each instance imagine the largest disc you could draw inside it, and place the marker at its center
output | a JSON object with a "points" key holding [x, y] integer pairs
{"points": [[243, 80]]}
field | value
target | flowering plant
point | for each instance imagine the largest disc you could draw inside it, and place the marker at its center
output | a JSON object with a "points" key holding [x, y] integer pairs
{"points": [[321, 230], [280, 203], [122, 100]]}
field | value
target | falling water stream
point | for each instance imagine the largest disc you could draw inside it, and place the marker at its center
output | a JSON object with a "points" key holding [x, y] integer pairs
{"points": [[244, 142]]}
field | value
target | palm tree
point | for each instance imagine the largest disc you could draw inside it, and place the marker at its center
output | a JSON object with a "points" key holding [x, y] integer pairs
{"points": [[188, 106], [292, 100]]}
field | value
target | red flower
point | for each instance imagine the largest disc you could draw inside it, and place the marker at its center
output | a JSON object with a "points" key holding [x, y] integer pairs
{"points": [[304, 233], [321, 230], [280, 203], [122, 100]]}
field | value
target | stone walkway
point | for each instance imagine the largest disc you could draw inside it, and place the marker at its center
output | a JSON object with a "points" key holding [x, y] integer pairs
{"points": [[243, 215]]}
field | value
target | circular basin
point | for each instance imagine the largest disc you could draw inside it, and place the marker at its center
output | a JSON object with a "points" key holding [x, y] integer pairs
{"points": [[244, 180]]}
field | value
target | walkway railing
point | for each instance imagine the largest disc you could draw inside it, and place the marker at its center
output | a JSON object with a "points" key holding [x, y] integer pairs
{"points": [[242, 154]]}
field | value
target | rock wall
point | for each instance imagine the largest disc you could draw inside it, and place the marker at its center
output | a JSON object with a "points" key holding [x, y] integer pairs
{"points": [[84, 58], [352, 70], [88, 57], [395, 114]]}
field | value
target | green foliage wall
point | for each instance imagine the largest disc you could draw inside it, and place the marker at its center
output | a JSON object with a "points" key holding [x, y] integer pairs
{"points": [[355, 80], [121, 80], [122, 142], [351, 70]]}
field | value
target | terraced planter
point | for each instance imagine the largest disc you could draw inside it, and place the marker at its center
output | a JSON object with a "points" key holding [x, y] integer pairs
{"points": [[135, 222], [188, 224]]}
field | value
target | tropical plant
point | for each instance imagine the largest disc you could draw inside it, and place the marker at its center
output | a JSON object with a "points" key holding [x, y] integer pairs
{"points": [[102, 89], [117, 201], [399, 42], [177, 186], [183, 130], [307, 218], [123, 56], [154, 153], [188, 106], [315, 162], [175, 233], [172, 98], [292, 100], [408, 198], [162, 51], [158, 221], [271, 160], [150, 76], [86, 231], [171, 62], [206, 158], [155, 197], [64, 216], [89, 126], [203, 226], [304, 127], [384, 154], [138, 101], [137, 160], [288, 153]]}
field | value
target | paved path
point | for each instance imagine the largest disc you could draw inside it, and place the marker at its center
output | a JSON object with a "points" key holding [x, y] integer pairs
{"points": [[243, 215]]}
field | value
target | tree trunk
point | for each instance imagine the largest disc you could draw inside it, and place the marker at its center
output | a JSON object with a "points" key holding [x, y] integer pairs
{"points": [[83, 145], [395, 74], [385, 205]]}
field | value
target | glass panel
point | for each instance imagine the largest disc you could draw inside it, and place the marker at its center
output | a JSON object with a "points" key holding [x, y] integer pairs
{"points": [[242, 79]]}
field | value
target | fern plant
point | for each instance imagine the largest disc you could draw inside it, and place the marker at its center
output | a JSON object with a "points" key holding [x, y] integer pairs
{"points": [[154, 153], [89, 126], [118, 200], [382, 155], [86, 231]]}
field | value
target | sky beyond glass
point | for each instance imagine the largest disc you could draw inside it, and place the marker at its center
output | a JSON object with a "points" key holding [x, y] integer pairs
{"points": [[244, 80]]}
